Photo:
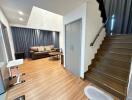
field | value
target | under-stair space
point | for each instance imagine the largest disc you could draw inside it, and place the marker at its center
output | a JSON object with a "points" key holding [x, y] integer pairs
{"points": [[111, 65]]}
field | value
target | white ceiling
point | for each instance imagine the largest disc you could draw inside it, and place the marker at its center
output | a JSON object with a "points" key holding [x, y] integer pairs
{"points": [[11, 8]]}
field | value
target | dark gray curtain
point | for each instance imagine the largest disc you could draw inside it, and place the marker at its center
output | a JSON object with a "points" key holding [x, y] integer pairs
{"points": [[45, 37], [24, 38], [122, 9], [49, 38], [56, 39]]}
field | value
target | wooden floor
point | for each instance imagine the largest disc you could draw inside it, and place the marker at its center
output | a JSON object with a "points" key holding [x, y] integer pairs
{"points": [[48, 80]]}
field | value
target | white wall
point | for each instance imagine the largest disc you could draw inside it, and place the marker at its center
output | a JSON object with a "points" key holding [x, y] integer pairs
{"points": [[3, 54], [5, 22], [43, 19], [129, 91], [91, 23], [79, 13]]}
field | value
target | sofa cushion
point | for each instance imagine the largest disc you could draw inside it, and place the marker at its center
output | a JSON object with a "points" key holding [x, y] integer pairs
{"points": [[44, 52], [49, 47], [41, 48], [35, 48]]}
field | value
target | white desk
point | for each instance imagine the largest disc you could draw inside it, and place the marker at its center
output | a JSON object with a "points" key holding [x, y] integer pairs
{"points": [[15, 63], [2, 64]]}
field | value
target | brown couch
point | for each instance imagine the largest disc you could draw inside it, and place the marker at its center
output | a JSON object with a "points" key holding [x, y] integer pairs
{"points": [[38, 52]]}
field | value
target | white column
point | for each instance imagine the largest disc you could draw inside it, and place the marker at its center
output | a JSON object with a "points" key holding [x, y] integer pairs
{"points": [[129, 90]]}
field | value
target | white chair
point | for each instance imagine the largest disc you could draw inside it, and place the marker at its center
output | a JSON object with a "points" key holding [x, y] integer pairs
{"points": [[15, 64]]}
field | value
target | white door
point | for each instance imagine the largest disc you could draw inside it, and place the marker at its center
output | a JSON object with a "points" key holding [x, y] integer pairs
{"points": [[73, 46], [68, 46]]}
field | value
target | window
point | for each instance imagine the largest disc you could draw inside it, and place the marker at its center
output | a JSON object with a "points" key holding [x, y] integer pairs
{"points": [[112, 23]]}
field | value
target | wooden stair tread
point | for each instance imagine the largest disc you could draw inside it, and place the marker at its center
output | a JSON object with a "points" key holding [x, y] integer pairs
{"points": [[114, 66], [123, 66], [120, 57], [128, 36], [118, 45], [115, 58], [118, 63], [106, 81], [121, 43], [117, 52], [122, 51], [115, 62], [117, 74], [117, 40]]}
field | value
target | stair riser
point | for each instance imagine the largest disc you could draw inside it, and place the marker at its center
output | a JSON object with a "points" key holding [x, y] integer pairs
{"points": [[101, 53], [91, 66]]}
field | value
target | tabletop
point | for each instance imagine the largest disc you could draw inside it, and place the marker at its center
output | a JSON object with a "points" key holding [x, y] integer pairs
{"points": [[15, 63]]}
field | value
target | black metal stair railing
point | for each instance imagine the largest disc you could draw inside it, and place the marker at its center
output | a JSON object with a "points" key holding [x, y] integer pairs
{"points": [[96, 37], [104, 17]]}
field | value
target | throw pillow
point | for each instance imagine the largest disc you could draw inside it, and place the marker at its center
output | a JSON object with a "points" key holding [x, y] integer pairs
{"points": [[40, 49], [35, 49]]}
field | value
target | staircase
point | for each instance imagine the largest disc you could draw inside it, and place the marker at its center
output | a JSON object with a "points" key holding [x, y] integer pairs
{"points": [[111, 65]]}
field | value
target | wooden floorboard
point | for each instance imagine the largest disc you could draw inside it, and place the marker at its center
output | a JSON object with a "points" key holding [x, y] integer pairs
{"points": [[48, 80]]}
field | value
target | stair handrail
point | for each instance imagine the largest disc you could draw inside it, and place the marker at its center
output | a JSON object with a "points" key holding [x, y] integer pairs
{"points": [[96, 37]]}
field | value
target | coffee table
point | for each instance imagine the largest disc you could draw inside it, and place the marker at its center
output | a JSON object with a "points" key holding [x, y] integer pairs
{"points": [[55, 55]]}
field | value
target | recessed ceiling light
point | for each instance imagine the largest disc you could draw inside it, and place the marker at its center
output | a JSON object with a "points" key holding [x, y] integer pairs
{"points": [[20, 12], [21, 19]]}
